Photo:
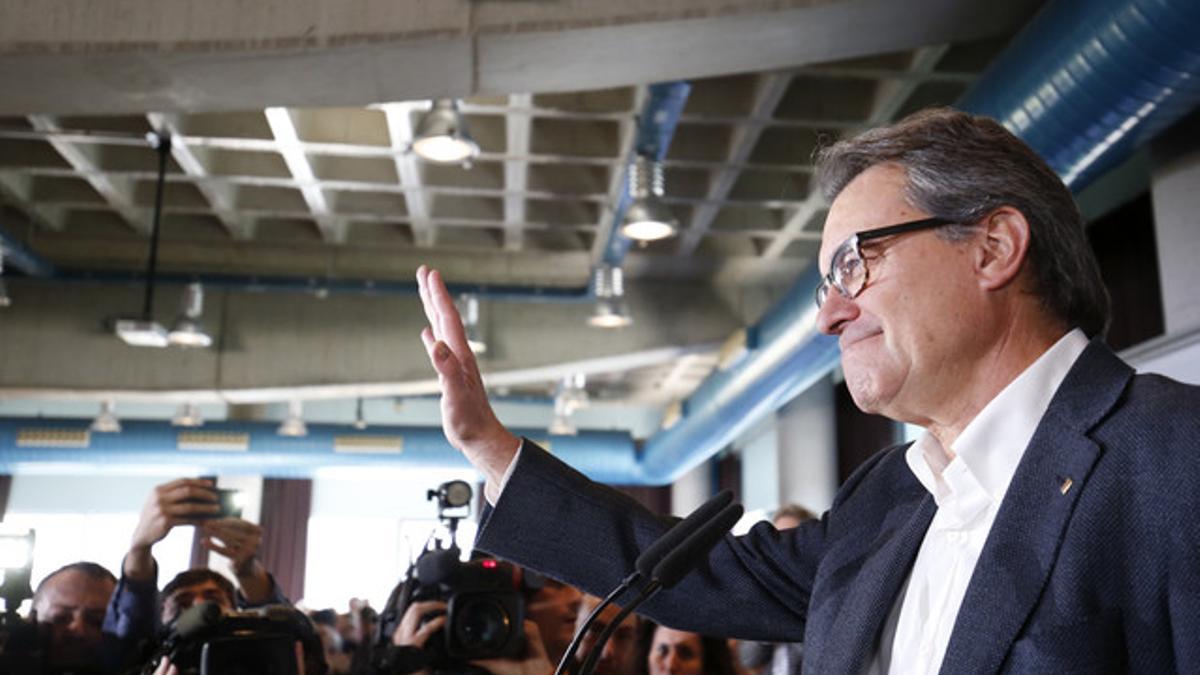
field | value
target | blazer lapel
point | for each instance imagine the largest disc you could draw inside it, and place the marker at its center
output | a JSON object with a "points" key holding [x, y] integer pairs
{"points": [[1023, 545], [869, 599]]}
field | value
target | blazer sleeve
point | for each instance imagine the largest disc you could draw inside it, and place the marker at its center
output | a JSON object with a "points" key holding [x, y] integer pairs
{"points": [[553, 519]]}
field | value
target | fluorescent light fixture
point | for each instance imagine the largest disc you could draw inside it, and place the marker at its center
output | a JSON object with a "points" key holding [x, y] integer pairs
{"points": [[648, 218], [468, 304], [106, 421], [293, 425], [441, 135], [611, 310], [141, 333], [5, 300], [188, 415], [187, 331]]}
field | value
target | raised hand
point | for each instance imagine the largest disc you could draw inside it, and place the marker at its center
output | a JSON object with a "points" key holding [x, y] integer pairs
{"points": [[185, 501], [467, 418]]}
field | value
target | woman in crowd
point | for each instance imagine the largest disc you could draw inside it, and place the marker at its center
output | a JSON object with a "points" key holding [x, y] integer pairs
{"points": [[666, 651]]}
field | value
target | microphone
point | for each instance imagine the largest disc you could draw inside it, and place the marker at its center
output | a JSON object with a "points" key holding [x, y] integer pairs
{"points": [[676, 564], [646, 561], [670, 570]]}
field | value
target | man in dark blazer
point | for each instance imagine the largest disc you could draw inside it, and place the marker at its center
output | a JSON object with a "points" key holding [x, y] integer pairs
{"points": [[1045, 522]]}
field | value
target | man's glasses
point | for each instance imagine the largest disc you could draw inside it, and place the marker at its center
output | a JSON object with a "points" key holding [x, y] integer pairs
{"points": [[848, 272]]}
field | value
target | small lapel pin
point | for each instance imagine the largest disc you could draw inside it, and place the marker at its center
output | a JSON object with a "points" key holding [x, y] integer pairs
{"points": [[1066, 485]]}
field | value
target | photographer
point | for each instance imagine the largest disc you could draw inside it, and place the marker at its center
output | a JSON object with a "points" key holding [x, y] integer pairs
{"points": [[425, 619], [134, 612]]}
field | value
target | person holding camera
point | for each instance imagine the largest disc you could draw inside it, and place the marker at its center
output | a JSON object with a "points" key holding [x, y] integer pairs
{"points": [[424, 619], [134, 613]]}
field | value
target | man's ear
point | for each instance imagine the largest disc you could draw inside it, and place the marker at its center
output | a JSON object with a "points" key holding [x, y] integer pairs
{"points": [[1003, 247]]}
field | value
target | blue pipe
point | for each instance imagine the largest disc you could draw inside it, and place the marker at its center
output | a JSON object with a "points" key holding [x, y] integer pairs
{"points": [[1084, 84], [18, 255], [607, 456], [790, 358], [256, 283], [1088, 81], [656, 126]]}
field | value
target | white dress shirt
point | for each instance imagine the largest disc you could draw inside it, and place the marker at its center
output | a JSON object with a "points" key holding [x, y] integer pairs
{"points": [[967, 490]]}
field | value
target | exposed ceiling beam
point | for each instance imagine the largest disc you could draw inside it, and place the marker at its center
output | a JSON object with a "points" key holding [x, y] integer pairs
{"points": [[518, 126], [770, 90], [627, 136], [287, 141], [400, 132], [119, 194], [17, 189], [219, 196]]}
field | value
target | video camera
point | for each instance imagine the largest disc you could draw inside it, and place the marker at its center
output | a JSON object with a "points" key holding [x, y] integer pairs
{"points": [[485, 611], [206, 641], [21, 644]]}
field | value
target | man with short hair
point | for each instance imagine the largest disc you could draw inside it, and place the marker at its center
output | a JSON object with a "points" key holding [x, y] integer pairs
{"points": [[619, 655], [70, 605], [1044, 522], [135, 612]]}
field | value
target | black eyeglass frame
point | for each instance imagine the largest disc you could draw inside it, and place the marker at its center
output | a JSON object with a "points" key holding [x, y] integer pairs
{"points": [[855, 242]]}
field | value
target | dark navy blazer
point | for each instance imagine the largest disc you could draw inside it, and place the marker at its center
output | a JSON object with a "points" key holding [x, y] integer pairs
{"points": [[1101, 574]]}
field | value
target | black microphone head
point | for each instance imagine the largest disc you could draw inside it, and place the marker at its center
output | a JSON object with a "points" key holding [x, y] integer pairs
{"points": [[676, 564], [437, 567], [673, 537], [197, 618]]}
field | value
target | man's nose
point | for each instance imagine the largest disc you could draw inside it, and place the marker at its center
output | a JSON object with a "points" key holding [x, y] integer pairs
{"points": [[835, 313], [80, 626]]}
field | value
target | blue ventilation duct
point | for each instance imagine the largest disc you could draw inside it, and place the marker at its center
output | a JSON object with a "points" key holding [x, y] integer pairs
{"points": [[256, 448], [1084, 84], [1089, 81]]}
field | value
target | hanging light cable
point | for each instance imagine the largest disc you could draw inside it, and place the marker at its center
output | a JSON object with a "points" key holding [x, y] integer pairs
{"points": [[441, 135], [145, 331], [360, 422], [648, 218]]}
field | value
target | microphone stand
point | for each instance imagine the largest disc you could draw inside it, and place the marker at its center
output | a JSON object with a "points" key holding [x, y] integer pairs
{"points": [[577, 640], [594, 655]]}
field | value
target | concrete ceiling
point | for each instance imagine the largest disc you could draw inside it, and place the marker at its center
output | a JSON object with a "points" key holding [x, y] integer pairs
{"points": [[266, 178]]}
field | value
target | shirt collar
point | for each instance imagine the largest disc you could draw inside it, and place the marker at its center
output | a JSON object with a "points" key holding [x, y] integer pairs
{"points": [[993, 443]]}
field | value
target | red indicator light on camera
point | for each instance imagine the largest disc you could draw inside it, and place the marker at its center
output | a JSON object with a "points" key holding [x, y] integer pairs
{"points": [[489, 564]]}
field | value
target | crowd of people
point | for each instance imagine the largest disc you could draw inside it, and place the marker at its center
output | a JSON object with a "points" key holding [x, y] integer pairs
{"points": [[94, 622]]}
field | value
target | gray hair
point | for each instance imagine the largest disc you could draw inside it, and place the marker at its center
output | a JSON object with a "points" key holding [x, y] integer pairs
{"points": [[962, 167]]}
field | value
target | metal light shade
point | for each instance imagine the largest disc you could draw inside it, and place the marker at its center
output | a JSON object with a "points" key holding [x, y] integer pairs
{"points": [[611, 310], [441, 135], [106, 421], [187, 331], [562, 426], [188, 415], [293, 425], [647, 217], [141, 333], [649, 220]]}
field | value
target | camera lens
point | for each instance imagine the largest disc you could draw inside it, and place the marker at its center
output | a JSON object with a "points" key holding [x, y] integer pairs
{"points": [[482, 625]]}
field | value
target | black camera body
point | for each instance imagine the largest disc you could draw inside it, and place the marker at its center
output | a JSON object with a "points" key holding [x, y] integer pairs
{"points": [[206, 641], [485, 611]]}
